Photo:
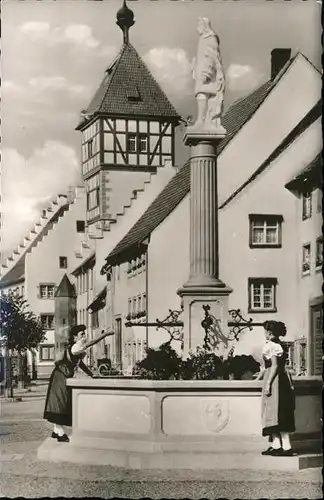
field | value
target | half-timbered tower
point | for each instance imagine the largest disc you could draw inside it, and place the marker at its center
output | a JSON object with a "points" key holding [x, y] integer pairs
{"points": [[127, 132]]}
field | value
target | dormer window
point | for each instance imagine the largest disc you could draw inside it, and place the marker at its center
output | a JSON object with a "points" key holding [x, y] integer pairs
{"points": [[132, 93]]}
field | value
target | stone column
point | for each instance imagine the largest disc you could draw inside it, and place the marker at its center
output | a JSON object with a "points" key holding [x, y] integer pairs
{"points": [[204, 285]]}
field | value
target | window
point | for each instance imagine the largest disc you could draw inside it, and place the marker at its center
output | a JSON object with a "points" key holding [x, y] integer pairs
{"points": [[47, 321], [265, 231], [63, 262], [46, 352], [307, 205], [137, 143], [131, 143], [306, 259], [80, 226], [93, 198], [90, 148], [47, 291], [319, 201], [95, 319], [143, 141], [139, 303], [144, 302], [262, 294], [319, 253]]}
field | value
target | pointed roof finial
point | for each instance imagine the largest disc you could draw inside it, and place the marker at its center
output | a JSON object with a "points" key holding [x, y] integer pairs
{"points": [[125, 19]]}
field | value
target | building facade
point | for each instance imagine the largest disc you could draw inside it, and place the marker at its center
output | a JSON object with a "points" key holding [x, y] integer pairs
{"points": [[123, 238], [259, 235]]}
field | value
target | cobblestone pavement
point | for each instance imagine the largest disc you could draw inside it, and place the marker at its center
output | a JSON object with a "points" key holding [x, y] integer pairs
{"points": [[22, 430]]}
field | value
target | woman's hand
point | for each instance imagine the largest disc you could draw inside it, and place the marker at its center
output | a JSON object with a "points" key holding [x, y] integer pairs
{"points": [[110, 331], [267, 390]]}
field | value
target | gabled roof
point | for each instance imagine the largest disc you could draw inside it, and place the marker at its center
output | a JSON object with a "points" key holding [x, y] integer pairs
{"points": [[17, 272], [239, 113], [65, 288], [85, 264], [310, 118], [99, 301], [129, 88], [312, 175]]}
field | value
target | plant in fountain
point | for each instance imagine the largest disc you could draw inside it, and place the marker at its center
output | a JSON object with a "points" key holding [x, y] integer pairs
{"points": [[159, 364], [241, 367], [203, 364]]}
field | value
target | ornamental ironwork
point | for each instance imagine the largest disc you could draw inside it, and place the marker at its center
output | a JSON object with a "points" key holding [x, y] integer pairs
{"points": [[171, 324], [211, 325]]}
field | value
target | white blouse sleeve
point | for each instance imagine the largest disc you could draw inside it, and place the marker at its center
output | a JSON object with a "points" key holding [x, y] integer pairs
{"points": [[272, 349], [78, 347], [276, 350]]}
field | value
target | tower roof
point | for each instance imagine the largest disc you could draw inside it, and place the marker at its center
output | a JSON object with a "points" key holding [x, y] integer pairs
{"points": [[65, 288], [129, 89]]}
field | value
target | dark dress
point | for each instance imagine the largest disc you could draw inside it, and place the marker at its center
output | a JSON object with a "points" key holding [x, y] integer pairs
{"points": [[278, 409], [58, 404]]}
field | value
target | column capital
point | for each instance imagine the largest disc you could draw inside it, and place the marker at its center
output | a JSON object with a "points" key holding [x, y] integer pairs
{"points": [[194, 136]]}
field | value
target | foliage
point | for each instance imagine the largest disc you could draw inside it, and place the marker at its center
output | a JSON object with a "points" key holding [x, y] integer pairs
{"points": [[159, 364], [21, 329], [242, 366], [203, 365]]}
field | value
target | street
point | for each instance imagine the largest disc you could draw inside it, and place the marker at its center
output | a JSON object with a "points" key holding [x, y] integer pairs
{"points": [[23, 430]]}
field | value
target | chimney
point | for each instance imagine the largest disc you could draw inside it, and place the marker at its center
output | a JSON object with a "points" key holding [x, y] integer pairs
{"points": [[279, 57]]}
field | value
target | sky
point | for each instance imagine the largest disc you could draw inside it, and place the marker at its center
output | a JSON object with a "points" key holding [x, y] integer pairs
{"points": [[54, 55]]}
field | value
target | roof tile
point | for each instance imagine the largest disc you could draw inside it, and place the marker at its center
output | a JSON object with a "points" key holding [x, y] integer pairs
{"points": [[129, 88]]}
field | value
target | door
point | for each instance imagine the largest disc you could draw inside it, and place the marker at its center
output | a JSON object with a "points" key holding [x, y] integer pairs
{"points": [[118, 339], [316, 347]]}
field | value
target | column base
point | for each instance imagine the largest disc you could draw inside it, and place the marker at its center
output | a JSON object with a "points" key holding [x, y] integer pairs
{"points": [[203, 281]]}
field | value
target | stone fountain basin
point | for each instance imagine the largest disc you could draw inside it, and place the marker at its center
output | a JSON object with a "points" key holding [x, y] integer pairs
{"points": [[180, 424]]}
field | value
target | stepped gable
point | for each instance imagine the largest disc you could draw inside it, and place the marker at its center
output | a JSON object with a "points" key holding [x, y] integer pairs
{"points": [[129, 89], [65, 288], [17, 272], [234, 119], [91, 259], [15, 275]]}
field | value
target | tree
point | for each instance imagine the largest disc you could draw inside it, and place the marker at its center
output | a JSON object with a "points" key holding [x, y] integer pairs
{"points": [[20, 328]]}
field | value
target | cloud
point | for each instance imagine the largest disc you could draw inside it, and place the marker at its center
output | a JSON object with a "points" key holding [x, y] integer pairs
{"points": [[171, 68], [45, 83], [52, 169], [243, 77], [44, 90], [81, 34], [78, 34]]}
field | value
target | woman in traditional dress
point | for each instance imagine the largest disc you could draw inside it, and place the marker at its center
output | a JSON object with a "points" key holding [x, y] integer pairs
{"points": [[58, 405], [278, 400]]}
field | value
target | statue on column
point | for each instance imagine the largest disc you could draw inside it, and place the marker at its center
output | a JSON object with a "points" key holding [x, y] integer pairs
{"points": [[209, 79]]}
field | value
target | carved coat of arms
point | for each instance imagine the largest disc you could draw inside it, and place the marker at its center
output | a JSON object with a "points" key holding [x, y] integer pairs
{"points": [[216, 414]]}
